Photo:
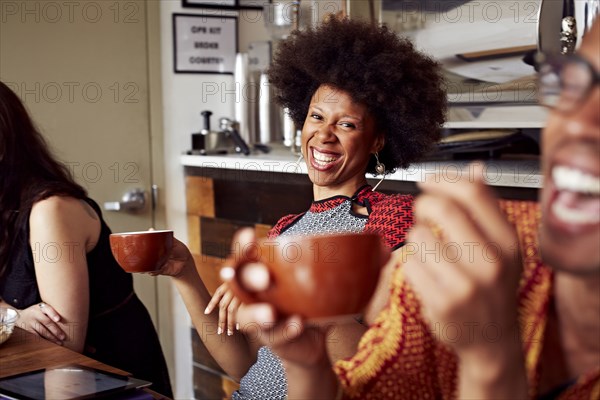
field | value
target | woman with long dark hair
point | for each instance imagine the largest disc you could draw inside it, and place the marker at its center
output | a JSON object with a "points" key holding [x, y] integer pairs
{"points": [[56, 266]]}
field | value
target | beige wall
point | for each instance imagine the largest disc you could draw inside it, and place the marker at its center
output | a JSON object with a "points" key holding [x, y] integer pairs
{"points": [[89, 73]]}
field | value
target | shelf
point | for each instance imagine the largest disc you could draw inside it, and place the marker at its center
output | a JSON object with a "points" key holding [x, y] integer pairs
{"points": [[494, 125], [477, 116]]}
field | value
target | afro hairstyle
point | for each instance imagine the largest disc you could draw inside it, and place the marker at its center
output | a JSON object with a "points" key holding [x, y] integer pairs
{"points": [[402, 88]]}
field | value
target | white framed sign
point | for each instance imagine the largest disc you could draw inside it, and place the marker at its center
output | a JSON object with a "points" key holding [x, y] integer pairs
{"points": [[204, 44]]}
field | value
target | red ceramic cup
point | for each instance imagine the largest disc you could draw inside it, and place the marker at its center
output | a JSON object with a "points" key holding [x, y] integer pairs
{"points": [[143, 251], [316, 276]]}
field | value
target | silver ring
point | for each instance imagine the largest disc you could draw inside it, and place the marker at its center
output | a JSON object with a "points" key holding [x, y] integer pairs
{"points": [[42, 304]]}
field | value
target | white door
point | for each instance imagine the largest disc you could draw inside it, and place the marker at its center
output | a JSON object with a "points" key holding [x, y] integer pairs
{"points": [[82, 69]]}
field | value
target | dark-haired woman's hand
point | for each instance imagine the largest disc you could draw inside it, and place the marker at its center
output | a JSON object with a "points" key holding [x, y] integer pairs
{"points": [[42, 319]]}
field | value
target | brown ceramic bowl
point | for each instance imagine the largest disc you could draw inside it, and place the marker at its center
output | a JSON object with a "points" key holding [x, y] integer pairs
{"points": [[143, 251], [318, 276]]}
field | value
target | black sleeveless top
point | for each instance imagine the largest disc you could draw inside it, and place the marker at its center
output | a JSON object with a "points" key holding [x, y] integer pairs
{"points": [[120, 331]]}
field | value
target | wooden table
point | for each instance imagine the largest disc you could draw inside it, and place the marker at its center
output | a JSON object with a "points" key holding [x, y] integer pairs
{"points": [[26, 352]]}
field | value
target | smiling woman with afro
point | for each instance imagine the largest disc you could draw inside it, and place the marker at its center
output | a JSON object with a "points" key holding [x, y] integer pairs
{"points": [[363, 97], [402, 88]]}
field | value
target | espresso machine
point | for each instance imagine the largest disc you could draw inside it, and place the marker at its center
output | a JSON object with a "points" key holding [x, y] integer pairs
{"points": [[227, 139]]}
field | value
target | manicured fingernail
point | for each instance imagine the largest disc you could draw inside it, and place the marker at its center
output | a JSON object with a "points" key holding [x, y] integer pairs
{"points": [[62, 337], [219, 330], [246, 235], [206, 311], [227, 273], [56, 318], [237, 326], [229, 332]]}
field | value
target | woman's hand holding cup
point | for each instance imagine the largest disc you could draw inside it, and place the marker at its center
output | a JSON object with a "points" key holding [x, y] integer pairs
{"points": [[289, 337], [179, 259]]}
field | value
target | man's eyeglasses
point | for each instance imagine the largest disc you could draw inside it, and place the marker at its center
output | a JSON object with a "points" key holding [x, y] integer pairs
{"points": [[564, 82]]}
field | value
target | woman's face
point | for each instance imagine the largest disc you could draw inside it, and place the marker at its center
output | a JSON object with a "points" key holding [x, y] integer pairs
{"points": [[338, 138], [570, 232]]}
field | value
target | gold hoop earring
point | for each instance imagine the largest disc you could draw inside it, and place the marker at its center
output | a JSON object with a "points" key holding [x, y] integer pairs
{"points": [[380, 169]]}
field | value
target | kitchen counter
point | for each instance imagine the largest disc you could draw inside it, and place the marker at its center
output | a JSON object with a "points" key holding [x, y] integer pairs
{"points": [[516, 173]]}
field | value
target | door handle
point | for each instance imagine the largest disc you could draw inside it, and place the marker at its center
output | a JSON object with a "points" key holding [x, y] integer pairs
{"points": [[132, 201]]}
